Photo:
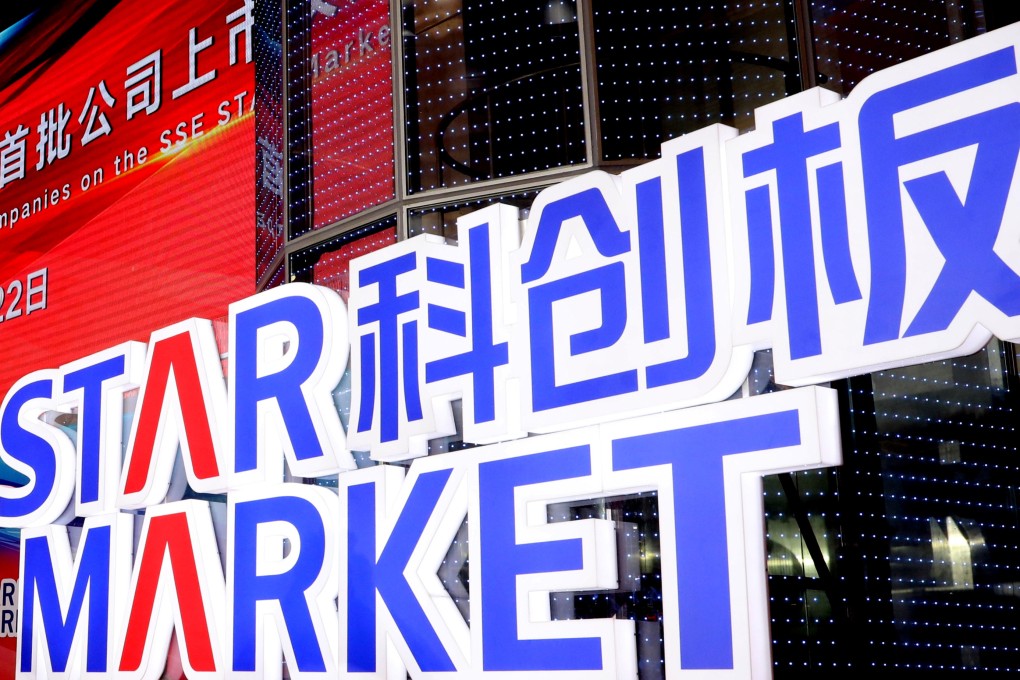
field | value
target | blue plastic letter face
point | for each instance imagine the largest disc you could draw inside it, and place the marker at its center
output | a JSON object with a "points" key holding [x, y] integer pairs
{"points": [[882, 230]]}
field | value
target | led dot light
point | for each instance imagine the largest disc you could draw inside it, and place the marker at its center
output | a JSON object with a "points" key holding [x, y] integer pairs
{"points": [[665, 69], [493, 89], [903, 561], [269, 156]]}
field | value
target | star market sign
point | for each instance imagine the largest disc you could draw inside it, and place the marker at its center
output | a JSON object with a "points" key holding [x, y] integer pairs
{"points": [[849, 236]]}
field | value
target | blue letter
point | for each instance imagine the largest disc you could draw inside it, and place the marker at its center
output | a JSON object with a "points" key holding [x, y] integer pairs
{"points": [[504, 559], [289, 589], [695, 455], [92, 572], [366, 576], [90, 381]]}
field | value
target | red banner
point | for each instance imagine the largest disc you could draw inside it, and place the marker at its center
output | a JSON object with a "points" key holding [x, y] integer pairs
{"points": [[127, 180]]}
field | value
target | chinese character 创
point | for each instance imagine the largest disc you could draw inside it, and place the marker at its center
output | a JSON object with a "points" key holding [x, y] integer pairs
{"points": [[36, 291]]}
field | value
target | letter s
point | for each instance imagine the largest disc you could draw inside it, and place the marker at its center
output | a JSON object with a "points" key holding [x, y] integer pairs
{"points": [[37, 451]]}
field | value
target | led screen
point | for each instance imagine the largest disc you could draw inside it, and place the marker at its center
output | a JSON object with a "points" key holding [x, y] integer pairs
{"points": [[352, 107], [127, 181]]}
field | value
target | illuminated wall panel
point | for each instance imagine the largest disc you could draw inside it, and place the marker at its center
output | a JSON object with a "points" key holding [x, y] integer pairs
{"points": [[269, 161], [339, 110], [666, 68]]}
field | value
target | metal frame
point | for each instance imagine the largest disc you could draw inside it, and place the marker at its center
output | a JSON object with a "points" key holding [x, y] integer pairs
{"points": [[365, 217], [589, 83], [399, 116], [285, 185], [805, 45], [404, 202]]}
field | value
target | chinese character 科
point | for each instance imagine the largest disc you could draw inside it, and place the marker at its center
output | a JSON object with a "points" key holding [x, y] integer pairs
{"points": [[272, 166], [244, 27], [389, 409], [428, 323], [92, 130], [36, 290], [380, 348], [143, 86], [53, 142], [194, 80], [12, 156]]}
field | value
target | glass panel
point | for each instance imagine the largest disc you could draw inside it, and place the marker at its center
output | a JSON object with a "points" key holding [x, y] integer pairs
{"points": [[665, 68], [639, 568], [938, 442], [853, 38], [345, 149], [917, 530], [442, 220], [492, 89], [268, 136]]}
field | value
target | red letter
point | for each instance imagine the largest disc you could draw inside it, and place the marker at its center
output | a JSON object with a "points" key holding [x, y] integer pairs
{"points": [[177, 583], [179, 403]]}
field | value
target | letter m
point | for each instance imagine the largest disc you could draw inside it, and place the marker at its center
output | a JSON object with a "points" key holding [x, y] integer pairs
{"points": [[67, 604]]}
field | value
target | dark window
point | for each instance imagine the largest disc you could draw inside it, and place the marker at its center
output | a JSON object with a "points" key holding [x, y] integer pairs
{"points": [[902, 562], [853, 38], [493, 89], [666, 68]]}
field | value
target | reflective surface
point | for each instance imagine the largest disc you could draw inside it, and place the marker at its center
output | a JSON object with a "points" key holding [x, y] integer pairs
{"points": [[493, 89], [666, 68]]}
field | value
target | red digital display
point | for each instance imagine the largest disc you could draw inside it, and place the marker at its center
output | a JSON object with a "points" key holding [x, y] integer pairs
{"points": [[352, 107], [127, 173], [269, 141]]}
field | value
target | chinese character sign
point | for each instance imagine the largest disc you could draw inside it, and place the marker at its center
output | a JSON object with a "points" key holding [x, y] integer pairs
{"points": [[429, 326], [849, 236], [883, 229], [353, 573], [623, 293]]}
